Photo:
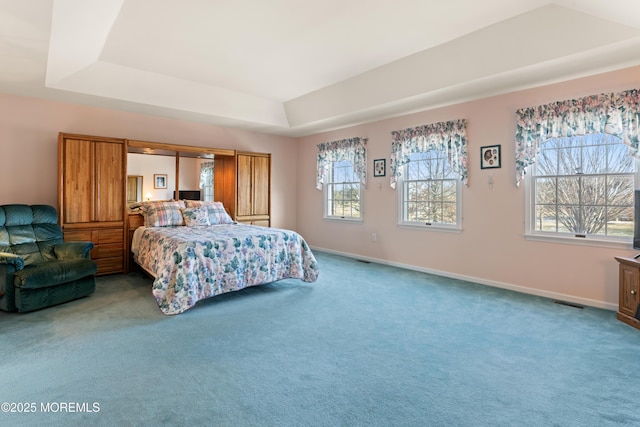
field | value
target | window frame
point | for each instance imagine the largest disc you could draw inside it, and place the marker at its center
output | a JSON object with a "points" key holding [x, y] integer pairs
{"points": [[439, 226], [207, 190], [530, 232], [326, 192]]}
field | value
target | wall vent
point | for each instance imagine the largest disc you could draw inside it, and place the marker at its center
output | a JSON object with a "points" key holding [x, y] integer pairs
{"points": [[568, 304]]}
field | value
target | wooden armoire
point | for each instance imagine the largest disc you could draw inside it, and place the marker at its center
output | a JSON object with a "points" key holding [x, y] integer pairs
{"points": [[91, 195]]}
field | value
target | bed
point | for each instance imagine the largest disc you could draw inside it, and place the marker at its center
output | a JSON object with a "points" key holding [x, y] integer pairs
{"points": [[194, 253]]}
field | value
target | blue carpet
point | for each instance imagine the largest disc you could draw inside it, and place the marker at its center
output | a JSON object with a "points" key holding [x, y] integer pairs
{"points": [[366, 345]]}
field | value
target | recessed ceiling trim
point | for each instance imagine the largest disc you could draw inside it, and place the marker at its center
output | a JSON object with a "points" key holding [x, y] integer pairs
{"points": [[79, 30], [115, 81], [478, 56]]}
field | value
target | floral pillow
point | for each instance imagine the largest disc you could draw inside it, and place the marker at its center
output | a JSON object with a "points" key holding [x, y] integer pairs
{"points": [[195, 216], [216, 210], [163, 214]]}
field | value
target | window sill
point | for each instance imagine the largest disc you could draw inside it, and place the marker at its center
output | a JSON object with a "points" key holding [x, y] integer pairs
{"points": [[583, 241], [435, 228], [338, 219]]}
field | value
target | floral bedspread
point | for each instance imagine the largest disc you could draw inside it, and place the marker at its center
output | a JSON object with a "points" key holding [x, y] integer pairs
{"points": [[194, 263]]}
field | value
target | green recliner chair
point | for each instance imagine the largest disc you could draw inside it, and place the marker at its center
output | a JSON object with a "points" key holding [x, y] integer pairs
{"points": [[38, 269]]}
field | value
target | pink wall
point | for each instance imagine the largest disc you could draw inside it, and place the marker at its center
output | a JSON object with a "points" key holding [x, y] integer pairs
{"points": [[491, 249], [29, 147]]}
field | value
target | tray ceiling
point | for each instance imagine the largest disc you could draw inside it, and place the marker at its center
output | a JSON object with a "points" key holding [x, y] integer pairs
{"points": [[294, 68]]}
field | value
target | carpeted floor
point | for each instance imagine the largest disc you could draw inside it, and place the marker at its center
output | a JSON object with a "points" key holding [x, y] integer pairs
{"points": [[366, 345]]}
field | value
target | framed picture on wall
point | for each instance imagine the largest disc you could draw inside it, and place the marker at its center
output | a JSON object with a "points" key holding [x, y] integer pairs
{"points": [[490, 157], [160, 180], [379, 167]]}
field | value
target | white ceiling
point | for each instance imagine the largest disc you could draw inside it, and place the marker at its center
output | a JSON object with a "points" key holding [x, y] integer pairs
{"points": [[296, 67]]}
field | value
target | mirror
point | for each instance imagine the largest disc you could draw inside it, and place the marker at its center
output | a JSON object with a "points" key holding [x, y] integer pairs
{"points": [[147, 166], [182, 165], [134, 188]]}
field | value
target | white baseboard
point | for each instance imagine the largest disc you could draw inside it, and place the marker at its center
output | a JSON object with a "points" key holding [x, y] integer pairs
{"points": [[481, 281]]}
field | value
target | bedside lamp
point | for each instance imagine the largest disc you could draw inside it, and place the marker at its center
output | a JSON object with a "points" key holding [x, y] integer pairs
{"points": [[148, 196]]}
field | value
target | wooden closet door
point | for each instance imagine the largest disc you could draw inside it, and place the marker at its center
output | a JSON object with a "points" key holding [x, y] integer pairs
{"points": [[253, 179], [109, 181], [244, 181], [79, 186], [260, 183]]}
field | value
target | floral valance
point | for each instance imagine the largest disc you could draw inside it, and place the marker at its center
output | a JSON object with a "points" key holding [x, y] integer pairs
{"points": [[449, 137], [352, 149], [613, 113]]}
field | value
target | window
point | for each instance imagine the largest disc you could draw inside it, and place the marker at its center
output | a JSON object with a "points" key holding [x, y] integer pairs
{"points": [[342, 172], [206, 180], [582, 186], [430, 193], [430, 163], [342, 192], [207, 192]]}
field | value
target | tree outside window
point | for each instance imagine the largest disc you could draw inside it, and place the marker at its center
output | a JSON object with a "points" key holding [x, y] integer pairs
{"points": [[430, 191]]}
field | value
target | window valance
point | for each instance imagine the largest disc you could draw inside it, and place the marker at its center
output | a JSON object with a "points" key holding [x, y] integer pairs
{"points": [[449, 137], [613, 113], [351, 149]]}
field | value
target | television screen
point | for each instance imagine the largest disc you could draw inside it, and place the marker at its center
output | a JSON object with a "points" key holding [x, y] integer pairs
{"points": [[188, 195]]}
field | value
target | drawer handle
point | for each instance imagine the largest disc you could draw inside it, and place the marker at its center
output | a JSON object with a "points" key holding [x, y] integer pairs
{"points": [[633, 291]]}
